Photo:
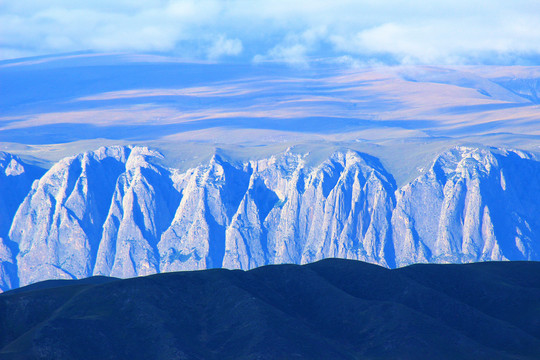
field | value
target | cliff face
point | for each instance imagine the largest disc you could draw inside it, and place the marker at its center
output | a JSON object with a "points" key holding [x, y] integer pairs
{"points": [[15, 181], [116, 212], [472, 205], [264, 212], [58, 225]]}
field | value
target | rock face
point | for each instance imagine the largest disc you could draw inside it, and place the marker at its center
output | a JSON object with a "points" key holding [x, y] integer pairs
{"points": [[59, 224], [472, 205], [143, 202], [117, 212], [244, 216], [15, 181]]}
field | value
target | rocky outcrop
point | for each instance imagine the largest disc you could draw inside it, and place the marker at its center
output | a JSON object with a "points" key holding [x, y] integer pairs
{"points": [[58, 226], [247, 215], [142, 205], [472, 205], [118, 212], [16, 179]]}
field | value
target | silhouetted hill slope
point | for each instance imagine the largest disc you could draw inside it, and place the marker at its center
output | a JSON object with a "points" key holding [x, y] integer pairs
{"points": [[332, 309]]}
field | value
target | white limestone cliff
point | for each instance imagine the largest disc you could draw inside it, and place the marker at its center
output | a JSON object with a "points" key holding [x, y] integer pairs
{"points": [[118, 212]]}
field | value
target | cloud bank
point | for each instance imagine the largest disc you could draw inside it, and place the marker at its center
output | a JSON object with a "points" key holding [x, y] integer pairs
{"points": [[294, 32]]}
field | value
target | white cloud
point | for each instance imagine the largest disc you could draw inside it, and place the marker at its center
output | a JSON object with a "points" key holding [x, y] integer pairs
{"points": [[291, 54], [442, 41], [294, 49], [224, 47], [414, 31]]}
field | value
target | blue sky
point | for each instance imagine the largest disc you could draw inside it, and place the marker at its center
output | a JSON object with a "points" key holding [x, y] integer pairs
{"points": [[294, 32]]}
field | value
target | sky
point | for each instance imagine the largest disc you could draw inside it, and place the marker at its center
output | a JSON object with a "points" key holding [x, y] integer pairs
{"points": [[295, 32]]}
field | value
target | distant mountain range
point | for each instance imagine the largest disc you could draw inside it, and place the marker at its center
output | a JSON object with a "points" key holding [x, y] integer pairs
{"points": [[207, 165], [119, 212], [65, 104], [332, 309]]}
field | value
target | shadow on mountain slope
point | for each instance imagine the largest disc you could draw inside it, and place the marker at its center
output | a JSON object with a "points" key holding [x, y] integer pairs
{"points": [[332, 309]]}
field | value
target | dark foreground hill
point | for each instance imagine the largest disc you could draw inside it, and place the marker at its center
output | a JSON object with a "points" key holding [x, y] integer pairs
{"points": [[332, 309]]}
